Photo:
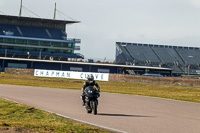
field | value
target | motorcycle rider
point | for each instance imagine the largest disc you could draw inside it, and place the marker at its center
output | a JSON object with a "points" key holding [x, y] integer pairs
{"points": [[90, 82]]}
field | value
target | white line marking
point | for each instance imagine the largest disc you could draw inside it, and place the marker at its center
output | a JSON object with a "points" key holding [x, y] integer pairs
{"points": [[100, 126]]}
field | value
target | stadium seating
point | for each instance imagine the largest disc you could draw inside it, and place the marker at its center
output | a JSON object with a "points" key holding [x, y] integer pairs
{"points": [[196, 54], [187, 56], [56, 34], [149, 54], [180, 59], [30, 31], [136, 53], [175, 55], [125, 54], [164, 54], [11, 28], [37, 32]]}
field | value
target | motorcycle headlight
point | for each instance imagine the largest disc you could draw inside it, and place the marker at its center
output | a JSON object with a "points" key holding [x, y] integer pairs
{"points": [[89, 91]]}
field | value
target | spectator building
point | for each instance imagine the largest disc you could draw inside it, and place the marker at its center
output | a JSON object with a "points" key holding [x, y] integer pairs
{"points": [[39, 43], [182, 60], [35, 38]]}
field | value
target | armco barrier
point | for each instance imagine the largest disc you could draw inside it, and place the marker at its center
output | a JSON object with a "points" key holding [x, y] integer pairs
{"points": [[126, 78]]}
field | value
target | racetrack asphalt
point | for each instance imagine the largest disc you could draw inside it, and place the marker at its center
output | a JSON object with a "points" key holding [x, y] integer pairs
{"points": [[125, 113]]}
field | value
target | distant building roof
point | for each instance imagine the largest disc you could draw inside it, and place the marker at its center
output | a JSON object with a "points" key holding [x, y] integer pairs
{"points": [[41, 20]]}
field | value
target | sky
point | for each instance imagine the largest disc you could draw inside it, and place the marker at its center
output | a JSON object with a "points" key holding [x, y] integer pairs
{"points": [[105, 22]]}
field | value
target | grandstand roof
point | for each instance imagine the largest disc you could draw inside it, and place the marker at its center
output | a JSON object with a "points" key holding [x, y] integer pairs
{"points": [[42, 20]]}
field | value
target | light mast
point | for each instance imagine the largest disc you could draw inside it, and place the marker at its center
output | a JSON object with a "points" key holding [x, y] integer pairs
{"points": [[20, 12], [54, 17]]}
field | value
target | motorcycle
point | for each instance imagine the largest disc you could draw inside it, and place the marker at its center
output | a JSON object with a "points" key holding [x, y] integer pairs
{"points": [[91, 99]]}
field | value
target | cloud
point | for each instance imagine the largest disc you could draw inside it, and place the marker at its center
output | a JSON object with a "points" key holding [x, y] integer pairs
{"points": [[2, 2], [1, 5], [104, 22], [195, 2]]}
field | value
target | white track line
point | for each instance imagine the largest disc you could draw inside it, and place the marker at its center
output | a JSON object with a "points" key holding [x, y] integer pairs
{"points": [[100, 126]]}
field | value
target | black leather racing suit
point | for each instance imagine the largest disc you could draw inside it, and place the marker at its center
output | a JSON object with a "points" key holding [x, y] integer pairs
{"points": [[86, 84]]}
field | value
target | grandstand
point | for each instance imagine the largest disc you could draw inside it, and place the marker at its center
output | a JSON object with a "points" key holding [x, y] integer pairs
{"points": [[36, 43], [36, 38], [183, 60]]}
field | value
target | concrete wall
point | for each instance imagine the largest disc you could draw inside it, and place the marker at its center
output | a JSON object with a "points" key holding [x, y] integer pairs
{"points": [[126, 78], [19, 71]]}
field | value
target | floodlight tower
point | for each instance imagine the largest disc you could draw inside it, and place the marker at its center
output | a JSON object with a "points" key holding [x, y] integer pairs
{"points": [[54, 17], [20, 11]]}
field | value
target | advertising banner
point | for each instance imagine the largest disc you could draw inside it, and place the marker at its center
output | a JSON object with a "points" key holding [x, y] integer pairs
{"points": [[70, 74]]}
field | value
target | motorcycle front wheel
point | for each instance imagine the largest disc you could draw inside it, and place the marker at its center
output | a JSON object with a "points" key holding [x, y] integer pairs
{"points": [[88, 110], [94, 107]]}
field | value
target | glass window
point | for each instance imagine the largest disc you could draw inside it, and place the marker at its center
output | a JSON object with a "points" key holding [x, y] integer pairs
{"points": [[56, 44], [79, 69], [20, 41], [1, 40], [44, 43], [65, 44], [33, 42], [103, 70], [10, 40]]}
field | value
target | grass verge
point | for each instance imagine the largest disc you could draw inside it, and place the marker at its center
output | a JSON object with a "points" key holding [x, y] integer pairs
{"points": [[177, 92], [29, 119], [12, 114]]}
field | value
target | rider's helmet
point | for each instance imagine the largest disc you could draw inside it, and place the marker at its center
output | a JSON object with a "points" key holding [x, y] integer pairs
{"points": [[90, 78]]}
